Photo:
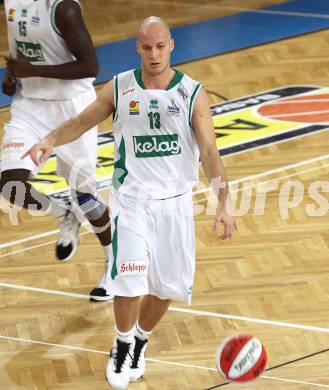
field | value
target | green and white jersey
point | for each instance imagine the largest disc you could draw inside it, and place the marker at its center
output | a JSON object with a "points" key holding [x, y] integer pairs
{"points": [[156, 154], [31, 27]]}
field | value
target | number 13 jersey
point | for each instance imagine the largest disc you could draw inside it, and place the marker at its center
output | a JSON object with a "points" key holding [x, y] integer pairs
{"points": [[156, 154]]}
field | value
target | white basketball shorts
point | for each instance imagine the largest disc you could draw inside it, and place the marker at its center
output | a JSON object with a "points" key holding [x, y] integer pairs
{"points": [[153, 247], [32, 119]]}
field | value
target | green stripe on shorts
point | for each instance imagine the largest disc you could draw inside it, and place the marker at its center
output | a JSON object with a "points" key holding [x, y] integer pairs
{"points": [[114, 271]]}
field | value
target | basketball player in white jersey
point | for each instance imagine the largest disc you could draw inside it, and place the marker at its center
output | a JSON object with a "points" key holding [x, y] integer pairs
{"points": [[162, 123], [50, 73]]}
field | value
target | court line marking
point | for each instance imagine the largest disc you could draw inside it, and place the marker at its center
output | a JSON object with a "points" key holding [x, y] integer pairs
{"points": [[35, 247], [270, 172], [301, 113], [271, 143], [28, 248], [249, 319], [29, 238], [300, 101], [241, 9], [71, 347], [44, 290], [180, 310], [33, 237], [203, 190], [295, 381]]}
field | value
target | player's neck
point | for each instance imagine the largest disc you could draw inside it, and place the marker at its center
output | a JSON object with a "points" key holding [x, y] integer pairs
{"points": [[160, 81]]}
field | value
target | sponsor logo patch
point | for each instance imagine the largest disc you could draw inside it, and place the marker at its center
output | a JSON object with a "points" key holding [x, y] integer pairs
{"points": [[11, 15], [182, 91], [14, 145], [154, 104], [134, 108], [127, 92], [33, 51], [173, 110], [156, 145], [132, 268], [35, 19]]}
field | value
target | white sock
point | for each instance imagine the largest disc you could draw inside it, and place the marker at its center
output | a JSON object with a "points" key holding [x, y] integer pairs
{"points": [[125, 337], [57, 208], [107, 250], [106, 279], [140, 333]]}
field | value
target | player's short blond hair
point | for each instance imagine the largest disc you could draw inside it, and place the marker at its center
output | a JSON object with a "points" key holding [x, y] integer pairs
{"points": [[151, 20]]}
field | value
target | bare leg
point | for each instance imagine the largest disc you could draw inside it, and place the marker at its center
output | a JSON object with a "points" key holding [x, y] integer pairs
{"points": [[14, 188], [151, 311], [103, 228], [126, 311]]}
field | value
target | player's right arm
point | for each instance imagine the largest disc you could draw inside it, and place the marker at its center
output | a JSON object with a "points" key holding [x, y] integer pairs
{"points": [[72, 129], [9, 84]]}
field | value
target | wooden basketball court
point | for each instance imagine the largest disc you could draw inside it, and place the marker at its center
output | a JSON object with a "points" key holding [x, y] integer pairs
{"points": [[270, 280]]}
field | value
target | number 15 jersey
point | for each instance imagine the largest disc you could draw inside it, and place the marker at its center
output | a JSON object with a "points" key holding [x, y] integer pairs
{"points": [[32, 30]]}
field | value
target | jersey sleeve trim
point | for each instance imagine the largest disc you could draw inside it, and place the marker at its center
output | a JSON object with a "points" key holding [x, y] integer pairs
{"points": [[192, 102], [116, 97], [52, 16], [138, 77], [178, 76]]}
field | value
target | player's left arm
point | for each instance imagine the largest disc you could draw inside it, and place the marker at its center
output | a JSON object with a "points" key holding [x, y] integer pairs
{"points": [[212, 163], [69, 21]]}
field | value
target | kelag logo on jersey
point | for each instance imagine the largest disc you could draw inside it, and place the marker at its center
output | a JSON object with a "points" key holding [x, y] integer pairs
{"points": [[156, 145], [33, 51]]}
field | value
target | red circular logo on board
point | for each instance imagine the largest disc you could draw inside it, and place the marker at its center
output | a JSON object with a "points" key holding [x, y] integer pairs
{"points": [[300, 109]]}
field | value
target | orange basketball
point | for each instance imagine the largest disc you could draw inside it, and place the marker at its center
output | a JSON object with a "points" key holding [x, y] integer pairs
{"points": [[241, 358]]}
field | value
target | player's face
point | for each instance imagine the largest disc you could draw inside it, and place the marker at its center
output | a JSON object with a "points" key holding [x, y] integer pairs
{"points": [[154, 45]]}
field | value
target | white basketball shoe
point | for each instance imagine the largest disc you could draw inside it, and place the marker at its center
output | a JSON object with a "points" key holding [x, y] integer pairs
{"points": [[101, 291], [68, 241], [137, 367], [118, 366]]}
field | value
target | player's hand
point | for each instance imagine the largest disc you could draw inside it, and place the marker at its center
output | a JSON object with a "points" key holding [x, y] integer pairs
{"points": [[9, 84], [227, 220], [39, 153], [20, 66]]}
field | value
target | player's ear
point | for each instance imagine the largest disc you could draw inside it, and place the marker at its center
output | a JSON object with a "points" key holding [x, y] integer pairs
{"points": [[171, 44], [137, 47]]}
